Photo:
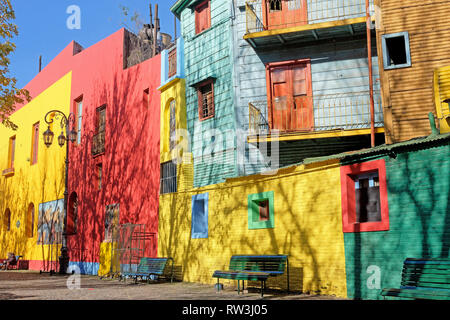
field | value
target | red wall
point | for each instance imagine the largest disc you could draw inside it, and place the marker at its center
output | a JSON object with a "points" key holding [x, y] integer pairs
{"points": [[131, 159]]}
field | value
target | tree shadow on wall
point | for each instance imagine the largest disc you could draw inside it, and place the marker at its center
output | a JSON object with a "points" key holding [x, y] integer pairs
{"points": [[130, 163]]}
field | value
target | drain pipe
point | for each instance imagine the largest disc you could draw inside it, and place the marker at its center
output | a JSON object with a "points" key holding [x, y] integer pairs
{"points": [[434, 130], [369, 53]]}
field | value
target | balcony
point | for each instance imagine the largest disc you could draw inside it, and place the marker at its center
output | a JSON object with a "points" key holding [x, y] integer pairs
{"points": [[333, 115], [270, 22], [98, 144]]}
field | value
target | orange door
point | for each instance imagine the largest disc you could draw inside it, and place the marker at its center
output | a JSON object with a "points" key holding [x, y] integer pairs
{"points": [[290, 97], [285, 13]]}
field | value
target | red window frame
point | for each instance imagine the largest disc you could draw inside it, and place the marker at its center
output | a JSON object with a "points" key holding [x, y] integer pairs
{"points": [[202, 16], [211, 108], [348, 173]]}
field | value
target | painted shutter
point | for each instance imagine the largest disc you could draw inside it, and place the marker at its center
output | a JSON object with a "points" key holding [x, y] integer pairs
{"points": [[280, 96]]}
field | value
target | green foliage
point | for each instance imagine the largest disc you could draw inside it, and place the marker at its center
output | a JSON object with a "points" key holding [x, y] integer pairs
{"points": [[9, 94]]}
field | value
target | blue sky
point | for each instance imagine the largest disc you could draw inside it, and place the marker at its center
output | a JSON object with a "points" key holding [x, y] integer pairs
{"points": [[43, 28]]}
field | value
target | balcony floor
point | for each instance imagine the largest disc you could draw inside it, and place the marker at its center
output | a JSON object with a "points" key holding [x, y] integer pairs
{"points": [[308, 33], [293, 136]]}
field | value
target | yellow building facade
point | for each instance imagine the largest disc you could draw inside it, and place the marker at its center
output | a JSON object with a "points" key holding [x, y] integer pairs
{"points": [[32, 174], [307, 226]]}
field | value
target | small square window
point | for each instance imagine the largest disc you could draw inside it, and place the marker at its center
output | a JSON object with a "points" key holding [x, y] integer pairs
{"points": [[261, 210], [396, 51], [364, 197]]}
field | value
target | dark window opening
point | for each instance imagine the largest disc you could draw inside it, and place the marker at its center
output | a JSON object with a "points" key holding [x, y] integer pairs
{"points": [[397, 50], [263, 210], [206, 100], [367, 198], [168, 183], [275, 5]]}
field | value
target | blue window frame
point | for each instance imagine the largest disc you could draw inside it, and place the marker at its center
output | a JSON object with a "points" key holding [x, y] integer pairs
{"points": [[396, 50], [199, 227]]}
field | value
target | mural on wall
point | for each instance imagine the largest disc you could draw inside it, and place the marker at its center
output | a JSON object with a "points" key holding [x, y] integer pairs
{"points": [[51, 222], [111, 221]]}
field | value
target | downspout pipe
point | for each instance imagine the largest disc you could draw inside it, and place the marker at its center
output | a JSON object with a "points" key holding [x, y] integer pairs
{"points": [[369, 53], [434, 129]]}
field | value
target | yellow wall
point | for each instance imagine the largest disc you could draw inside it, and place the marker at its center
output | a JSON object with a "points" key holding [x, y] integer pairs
{"points": [[38, 183], [173, 90], [308, 227]]}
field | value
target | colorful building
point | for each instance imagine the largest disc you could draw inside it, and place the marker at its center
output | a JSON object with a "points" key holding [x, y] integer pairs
{"points": [[116, 106]]}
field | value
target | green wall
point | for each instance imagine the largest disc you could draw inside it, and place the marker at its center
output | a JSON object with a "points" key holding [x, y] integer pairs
{"points": [[209, 54], [419, 215]]}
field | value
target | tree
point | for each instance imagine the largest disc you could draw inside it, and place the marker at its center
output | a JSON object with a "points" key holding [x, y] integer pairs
{"points": [[9, 94]]}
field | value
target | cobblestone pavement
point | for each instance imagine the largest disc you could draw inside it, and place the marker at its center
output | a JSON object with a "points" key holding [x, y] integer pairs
{"points": [[19, 285]]}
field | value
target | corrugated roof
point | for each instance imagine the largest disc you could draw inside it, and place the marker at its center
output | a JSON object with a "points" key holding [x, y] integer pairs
{"points": [[382, 149]]}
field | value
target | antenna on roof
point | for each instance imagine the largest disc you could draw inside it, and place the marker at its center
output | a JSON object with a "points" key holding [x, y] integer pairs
{"points": [[40, 63]]}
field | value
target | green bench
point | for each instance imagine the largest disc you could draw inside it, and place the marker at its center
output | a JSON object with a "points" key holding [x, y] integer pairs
{"points": [[423, 279], [254, 268], [148, 267]]}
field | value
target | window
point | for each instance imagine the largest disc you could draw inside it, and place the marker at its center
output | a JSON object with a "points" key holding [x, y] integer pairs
{"points": [[172, 63], [79, 116], [396, 51], [7, 220], [199, 226], [261, 210], [206, 107], [35, 144], [173, 124], [72, 213], [30, 221], [168, 183], [98, 143], [364, 197], [203, 16], [99, 175], [274, 5], [101, 119]]}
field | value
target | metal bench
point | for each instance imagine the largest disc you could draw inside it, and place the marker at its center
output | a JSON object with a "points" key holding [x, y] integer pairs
{"points": [[423, 279], [254, 268], [148, 267]]}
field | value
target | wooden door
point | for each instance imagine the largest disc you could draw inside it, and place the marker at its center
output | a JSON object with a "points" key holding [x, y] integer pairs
{"points": [[290, 97], [285, 13]]}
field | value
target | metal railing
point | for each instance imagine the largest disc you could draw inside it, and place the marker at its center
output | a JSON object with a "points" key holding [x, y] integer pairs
{"points": [[98, 143], [292, 12], [341, 111]]}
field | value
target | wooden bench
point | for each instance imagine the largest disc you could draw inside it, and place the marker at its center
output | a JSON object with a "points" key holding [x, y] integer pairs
{"points": [[423, 279], [254, 268], [148, 267]]}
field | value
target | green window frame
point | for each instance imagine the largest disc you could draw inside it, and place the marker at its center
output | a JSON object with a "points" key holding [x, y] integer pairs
{"points": [[256, 203]]}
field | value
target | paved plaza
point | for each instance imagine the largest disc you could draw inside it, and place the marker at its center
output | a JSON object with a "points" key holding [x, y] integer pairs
{"points": [[20, 285]]}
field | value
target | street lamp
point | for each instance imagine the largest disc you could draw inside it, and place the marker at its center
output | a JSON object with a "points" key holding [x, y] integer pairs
{"points": [[70, 135]]}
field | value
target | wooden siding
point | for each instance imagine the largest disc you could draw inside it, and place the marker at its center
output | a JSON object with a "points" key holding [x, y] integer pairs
{"points": [[409, 91], [208, 54]]}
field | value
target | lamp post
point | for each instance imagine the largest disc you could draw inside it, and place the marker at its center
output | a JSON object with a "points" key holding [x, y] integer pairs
{"points": [[63, 138]]}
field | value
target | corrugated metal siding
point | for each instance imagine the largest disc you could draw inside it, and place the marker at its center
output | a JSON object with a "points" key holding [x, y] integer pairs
{"points": [[209, 55], [411, 89]]}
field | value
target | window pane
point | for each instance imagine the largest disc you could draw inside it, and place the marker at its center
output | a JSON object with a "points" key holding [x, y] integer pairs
{"points": [[367, 198]]}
